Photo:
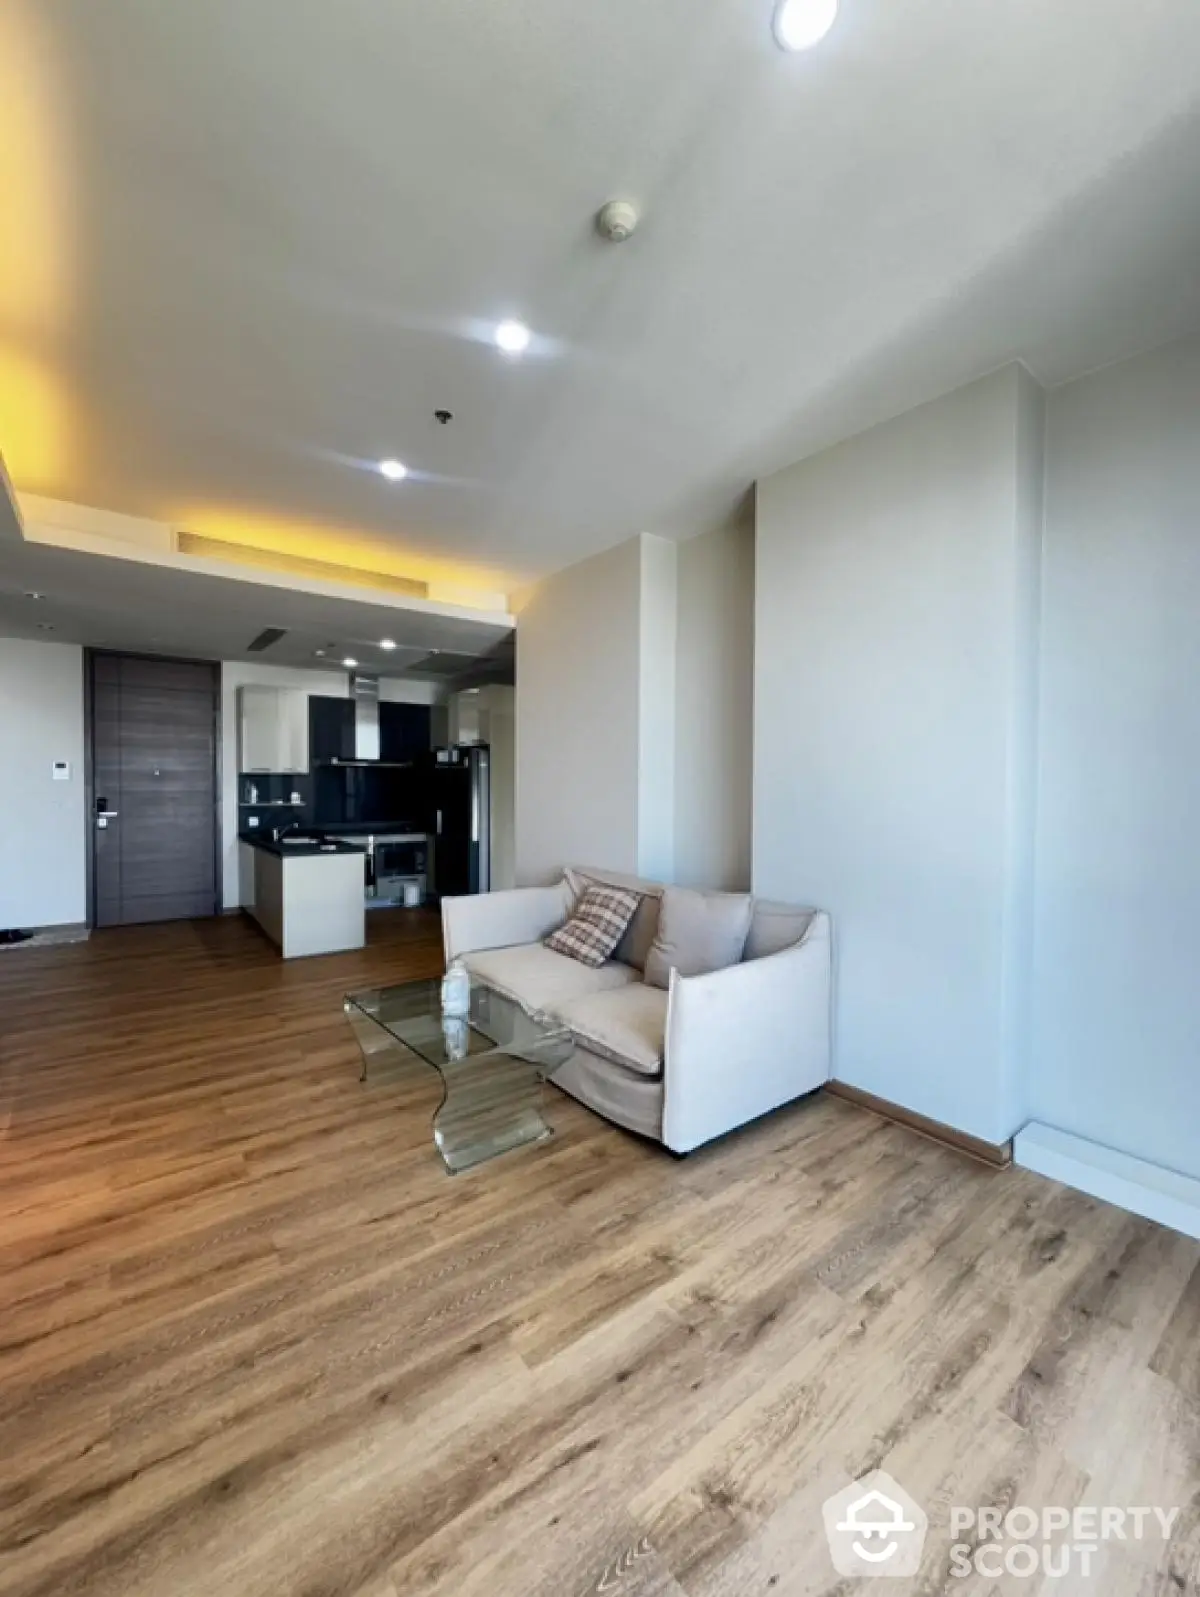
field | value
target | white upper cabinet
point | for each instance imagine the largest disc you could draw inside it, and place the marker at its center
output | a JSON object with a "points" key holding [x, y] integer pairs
{"points": [[272, 730]]}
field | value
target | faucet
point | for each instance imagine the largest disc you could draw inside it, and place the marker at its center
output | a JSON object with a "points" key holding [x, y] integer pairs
{"points": [[282, 831]]}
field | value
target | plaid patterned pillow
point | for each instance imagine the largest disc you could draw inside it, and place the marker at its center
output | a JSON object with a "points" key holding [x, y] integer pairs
{"points": [[597, 926]]}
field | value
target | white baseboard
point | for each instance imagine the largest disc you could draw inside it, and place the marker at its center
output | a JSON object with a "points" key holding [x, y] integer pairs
{"points": [[1134, 1184]]}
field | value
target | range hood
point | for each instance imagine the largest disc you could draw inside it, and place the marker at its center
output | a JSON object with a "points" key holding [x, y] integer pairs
{"points": [[364, 694], [364, 691]]}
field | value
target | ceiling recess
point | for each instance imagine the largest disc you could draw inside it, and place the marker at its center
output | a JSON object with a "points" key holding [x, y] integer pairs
{"points": [[441, 665], [198, 545]]}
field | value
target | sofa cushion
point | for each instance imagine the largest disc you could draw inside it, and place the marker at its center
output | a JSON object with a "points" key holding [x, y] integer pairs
{"points": [[597, 924], [775, 927], [627, 1026], [538, 979], [634, 947], [698, 932]]}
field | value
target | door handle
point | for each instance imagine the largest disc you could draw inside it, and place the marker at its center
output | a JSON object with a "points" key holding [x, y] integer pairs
{"points": [[439, 823]]}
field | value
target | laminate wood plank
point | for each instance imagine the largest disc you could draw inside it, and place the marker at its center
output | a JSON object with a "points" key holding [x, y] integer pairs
{"points": [[1177, 1356], [254, 1340]]}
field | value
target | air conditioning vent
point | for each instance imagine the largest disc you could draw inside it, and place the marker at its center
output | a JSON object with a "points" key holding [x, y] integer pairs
{"points": [[265, 639]]}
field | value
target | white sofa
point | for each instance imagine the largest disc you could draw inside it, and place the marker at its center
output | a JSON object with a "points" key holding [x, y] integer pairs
{"points": [[682, 1065]]}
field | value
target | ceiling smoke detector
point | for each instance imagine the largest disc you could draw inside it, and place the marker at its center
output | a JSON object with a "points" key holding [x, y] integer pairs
{"points": [[616, 221]]}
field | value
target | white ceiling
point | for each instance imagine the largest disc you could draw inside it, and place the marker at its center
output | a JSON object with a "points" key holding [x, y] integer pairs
{"points": [[284, 227], [160, 609]]}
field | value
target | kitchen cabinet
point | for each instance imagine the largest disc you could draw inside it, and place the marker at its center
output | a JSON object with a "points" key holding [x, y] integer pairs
{"points": [[331, 729], [309, 903], [404, 731], [272, 730], [246, 855]]}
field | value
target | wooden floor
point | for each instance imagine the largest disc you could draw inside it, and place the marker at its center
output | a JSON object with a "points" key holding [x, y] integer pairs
{"points": [[253, 1339]]}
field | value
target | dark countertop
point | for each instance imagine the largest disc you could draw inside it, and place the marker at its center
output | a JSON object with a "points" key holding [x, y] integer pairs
{"points": [[298, 850], [373, 829]]}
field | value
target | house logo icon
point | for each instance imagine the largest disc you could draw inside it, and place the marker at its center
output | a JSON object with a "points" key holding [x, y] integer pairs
{"points": [[875, 1528]]}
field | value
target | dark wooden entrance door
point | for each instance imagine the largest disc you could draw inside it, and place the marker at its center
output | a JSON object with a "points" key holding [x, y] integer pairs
{"points": [[154, 788]]}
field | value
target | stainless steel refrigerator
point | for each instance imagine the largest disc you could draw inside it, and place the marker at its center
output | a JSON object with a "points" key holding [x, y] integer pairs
{"points": [[460, 802]]}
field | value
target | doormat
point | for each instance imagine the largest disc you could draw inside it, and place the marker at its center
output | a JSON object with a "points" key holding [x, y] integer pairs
{"points": [[51, 935]]}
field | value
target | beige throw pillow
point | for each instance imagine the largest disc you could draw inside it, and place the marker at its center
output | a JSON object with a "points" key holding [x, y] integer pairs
{"points": [[698, 932]]}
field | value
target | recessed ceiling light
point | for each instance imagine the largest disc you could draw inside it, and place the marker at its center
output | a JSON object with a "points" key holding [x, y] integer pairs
{"points": [[319, 653], [393, 470], [386, 643], [30, 594], [349, 662], [45, 626], [513, 337], [799, 24]]}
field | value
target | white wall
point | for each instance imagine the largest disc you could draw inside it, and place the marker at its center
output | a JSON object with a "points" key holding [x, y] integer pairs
{"points": [[596, 715], [578, 690], [43, 839], [1116, 1055], [657, 630], [498, 728], [634, 694], [893, 590], [1017, 968], [235, 674], [714, 707]]}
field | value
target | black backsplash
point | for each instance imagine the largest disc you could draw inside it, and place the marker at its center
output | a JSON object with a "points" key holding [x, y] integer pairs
{"points": [[336, 795], [365, 795]]}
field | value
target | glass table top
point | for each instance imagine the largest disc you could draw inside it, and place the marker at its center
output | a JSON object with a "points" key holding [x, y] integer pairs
{"points": [[412, 1014]]}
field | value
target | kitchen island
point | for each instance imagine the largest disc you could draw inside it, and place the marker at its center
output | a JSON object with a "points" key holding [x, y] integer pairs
{"points": [[305, 892]]}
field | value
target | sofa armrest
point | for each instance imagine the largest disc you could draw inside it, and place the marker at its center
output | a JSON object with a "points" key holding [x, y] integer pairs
{"points": [[502, 920], [743, 1040]]}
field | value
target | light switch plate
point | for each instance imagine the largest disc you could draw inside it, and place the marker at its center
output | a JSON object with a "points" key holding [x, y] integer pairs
{"points": [[60, 771]]}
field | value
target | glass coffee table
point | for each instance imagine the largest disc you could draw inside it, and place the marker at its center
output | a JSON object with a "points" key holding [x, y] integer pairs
{"points": [[492, 1063]]}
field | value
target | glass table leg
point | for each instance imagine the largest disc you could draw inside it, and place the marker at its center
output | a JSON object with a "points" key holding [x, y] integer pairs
{"points": [[492, 1104], [374, 1043]]}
